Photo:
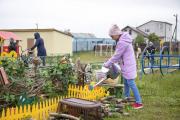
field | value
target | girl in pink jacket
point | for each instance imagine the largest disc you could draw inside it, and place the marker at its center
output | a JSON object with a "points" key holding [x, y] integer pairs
{"points": [[124, 54]]}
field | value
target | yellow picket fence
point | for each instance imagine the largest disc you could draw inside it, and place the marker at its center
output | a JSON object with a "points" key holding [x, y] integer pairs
{"points": [[85, 93], [41, 110]]}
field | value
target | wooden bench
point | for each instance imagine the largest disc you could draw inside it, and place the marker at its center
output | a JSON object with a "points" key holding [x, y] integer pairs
{"points": [[89, 110]]}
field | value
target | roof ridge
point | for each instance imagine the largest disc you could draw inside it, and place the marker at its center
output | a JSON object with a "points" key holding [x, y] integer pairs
{"points": [[36, 30], [153, 21], [137, 30]]}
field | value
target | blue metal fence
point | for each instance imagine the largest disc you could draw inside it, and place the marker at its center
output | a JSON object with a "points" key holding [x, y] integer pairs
{"points": [[163, 61]]}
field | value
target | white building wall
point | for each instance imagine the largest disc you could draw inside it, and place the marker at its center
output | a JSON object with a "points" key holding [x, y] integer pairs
{"points": [[168, 32], [62, 44], [133, 33], [159, 28], [47, 37], [148, 28]]}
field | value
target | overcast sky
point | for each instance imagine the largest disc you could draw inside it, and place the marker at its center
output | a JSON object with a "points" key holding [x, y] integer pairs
{"points": [[85, 16]]}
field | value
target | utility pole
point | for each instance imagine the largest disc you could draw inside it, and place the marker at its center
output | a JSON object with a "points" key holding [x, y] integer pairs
{"points": [[175, 36], [37, 26], [176, 27], [176, 41]]}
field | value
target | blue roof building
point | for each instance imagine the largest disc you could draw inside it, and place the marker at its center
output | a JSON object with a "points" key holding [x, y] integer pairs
{"points": [[87, 41]]}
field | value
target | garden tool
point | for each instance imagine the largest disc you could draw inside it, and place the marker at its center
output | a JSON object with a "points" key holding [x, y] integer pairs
{"points": [[114, 71], [106, 73]]}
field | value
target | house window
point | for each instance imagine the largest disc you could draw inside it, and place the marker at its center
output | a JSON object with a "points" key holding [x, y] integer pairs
{"points": [[99, 42], [130, 32], [160, 26], [147, 30]]}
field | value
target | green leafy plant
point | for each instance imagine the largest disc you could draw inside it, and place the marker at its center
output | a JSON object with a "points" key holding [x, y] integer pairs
{"points": [[139, 39], [50, 82], [153, 37], [61, 74], [9, 97], [48, 87], [13, 67]]}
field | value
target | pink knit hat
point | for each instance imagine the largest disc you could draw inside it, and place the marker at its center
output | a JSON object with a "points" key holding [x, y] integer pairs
{"points": [[114, 30]]}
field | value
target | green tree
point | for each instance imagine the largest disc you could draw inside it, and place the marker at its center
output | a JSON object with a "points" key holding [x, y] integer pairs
{"points": [[153, 37], [139, 39]]}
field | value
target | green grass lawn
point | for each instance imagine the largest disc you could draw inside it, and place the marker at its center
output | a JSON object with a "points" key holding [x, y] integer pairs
{"points": [[161, 98], [89, 57], [160, 94]]}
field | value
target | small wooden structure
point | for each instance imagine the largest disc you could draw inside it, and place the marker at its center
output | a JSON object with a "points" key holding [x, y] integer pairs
{"points": [[88, 110], [4, 41], [104, 49]]}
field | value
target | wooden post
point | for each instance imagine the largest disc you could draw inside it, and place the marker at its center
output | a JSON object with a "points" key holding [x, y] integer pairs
{"points": [[3, 76]]}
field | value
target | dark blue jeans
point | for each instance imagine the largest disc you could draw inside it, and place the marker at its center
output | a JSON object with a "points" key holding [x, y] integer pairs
{"points": [[43, 58], [152, 59]]}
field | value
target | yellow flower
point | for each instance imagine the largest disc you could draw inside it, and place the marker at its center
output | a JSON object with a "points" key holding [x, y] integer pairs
{"points": [[4, 54], [13, 54]]}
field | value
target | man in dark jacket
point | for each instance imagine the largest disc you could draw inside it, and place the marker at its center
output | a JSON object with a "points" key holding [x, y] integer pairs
{"points": [[151, 50], [12, 45], [41, 50]]}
